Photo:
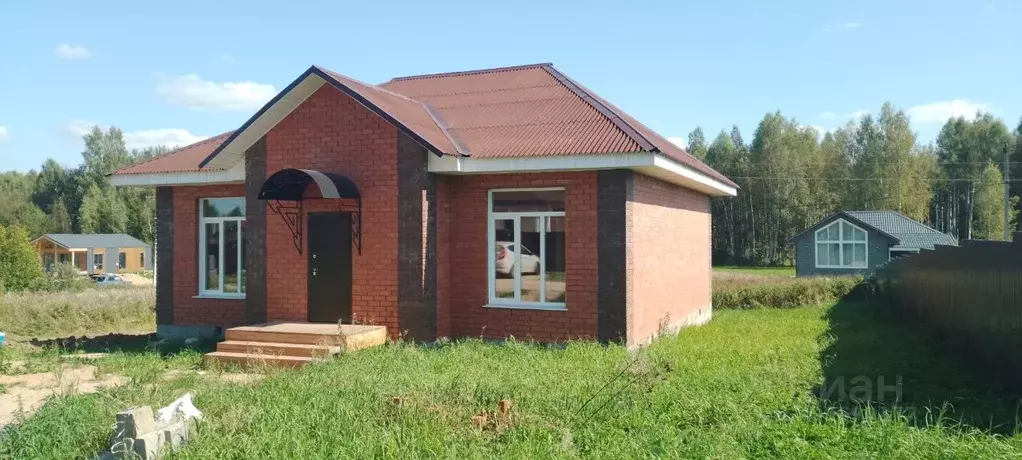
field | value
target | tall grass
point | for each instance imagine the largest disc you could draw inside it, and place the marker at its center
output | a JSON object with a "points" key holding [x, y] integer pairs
{"points": [[753, 290], [91, 311], [740, 387]]}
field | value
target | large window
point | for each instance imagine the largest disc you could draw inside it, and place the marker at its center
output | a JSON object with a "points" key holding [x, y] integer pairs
{"points": [[527, 248], [221, 247], [841, 245]]}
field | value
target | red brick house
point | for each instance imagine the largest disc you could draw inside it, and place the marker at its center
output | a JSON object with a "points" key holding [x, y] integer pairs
{"points": [[497, 202]]}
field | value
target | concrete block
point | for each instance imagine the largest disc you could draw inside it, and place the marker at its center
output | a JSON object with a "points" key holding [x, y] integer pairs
{"points": [[150, 445], [177, 434], [134, 422]]}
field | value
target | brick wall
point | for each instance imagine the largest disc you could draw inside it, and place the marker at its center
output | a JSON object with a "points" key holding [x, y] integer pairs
{"points": [[466, 260], [668, 257], [333, 133], [189, 311]]}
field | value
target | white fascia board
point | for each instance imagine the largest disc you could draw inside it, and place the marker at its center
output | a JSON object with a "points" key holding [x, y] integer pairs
{"points": [[236, 174], [650, 164], [235, 149]]}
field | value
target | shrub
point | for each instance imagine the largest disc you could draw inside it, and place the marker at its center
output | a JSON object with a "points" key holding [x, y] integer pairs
{"points": [[63, 277], [20, 267], [797, 293]]}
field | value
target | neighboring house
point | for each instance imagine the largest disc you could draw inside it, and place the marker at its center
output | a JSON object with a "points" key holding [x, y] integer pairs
{"points": [[856, 242], [95, 253], [397, 204]]}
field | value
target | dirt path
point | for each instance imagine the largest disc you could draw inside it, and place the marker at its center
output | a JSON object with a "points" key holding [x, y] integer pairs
{"points": [[26, 393]]}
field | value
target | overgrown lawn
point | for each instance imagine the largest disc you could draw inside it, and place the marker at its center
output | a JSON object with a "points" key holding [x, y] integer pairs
{"points": [[748, 385], [92, 311]]}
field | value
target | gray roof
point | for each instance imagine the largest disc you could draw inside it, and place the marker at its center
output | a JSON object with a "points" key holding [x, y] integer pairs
{"points": [[96, 240], [911, 234]]}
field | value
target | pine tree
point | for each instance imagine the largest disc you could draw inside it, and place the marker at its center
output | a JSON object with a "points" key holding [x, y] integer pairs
{"points": [[697, 144], [89, 215], [60, 219]]}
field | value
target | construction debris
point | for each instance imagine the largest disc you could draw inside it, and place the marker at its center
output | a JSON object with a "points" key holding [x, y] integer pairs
{"points": [[138, 434]]}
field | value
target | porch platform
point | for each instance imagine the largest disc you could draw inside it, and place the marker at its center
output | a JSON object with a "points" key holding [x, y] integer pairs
{"points": [[287, 344]]}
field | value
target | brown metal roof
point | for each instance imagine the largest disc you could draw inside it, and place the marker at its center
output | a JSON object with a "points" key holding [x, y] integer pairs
{"points": [[184, 159], [509, 112], [404, 110]]}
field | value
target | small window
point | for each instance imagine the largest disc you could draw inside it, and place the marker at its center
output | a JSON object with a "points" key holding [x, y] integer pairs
{"points": [[122, 260], [527, 232], [97, 261], [221, 247]]}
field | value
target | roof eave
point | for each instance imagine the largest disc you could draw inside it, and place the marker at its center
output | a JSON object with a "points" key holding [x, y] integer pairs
{"points": [[648, 163], [844, 215]]}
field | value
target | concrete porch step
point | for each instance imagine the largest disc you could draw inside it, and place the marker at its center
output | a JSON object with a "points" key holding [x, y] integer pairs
{"points": [[248, 359], [285, 344], [276, 348]]}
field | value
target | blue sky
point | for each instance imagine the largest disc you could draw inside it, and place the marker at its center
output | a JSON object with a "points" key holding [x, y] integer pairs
{"points": [[174, 72]]}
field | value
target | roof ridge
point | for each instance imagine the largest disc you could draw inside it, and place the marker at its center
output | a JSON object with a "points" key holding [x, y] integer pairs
{"points": [[595, 102], [376, 87], [466, 72], [167, 154]]}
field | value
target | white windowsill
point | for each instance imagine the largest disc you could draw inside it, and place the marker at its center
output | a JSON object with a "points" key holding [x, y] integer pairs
{"points": [[520, 306], [849, 267], [212, 295]]}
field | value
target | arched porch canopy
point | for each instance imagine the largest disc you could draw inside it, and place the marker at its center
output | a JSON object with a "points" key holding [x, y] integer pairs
{"points": [[284, 192]]}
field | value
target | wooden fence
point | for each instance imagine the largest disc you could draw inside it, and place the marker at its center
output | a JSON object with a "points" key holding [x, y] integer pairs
{"points": [[969, 297]]}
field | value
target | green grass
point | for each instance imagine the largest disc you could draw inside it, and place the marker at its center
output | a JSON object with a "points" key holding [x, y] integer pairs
{"points": [[748, 385], [771, 271], [94, 311]]}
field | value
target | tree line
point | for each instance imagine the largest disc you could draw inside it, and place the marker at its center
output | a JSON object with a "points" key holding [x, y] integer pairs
{"points": [[790, 177], [58, 199]]}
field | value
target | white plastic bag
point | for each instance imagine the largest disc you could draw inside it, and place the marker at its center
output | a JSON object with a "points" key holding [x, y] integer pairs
{"points": [[181, 409]]}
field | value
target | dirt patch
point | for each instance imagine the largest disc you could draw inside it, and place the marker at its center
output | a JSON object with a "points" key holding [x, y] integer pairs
{"points": [[137, 280], [27, 393]]}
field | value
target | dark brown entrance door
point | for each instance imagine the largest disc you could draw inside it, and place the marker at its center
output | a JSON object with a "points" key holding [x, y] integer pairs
{"points": [[329, 267]]}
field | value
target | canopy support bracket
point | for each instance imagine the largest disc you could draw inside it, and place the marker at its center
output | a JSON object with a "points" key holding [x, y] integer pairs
{"points": [[291, 212]]}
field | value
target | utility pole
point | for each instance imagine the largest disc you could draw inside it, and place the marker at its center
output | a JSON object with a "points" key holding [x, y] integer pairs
{"points": [[1007, 189]]}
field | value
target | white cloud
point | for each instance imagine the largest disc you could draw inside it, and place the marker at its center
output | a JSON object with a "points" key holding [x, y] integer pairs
{"points": [[170, 137], [940, 111], [850, 25], [828, 115], [193, 92], [66, 51], [4, 135], [858, 114], [679, 141]]}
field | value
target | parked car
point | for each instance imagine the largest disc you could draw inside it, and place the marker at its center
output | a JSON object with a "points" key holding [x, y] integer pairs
{"points": [[505, 259], [107, 279]]}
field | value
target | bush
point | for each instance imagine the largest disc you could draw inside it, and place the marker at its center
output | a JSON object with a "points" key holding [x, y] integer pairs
{"points": [[798, 293], [20, 267], [63, 277]]}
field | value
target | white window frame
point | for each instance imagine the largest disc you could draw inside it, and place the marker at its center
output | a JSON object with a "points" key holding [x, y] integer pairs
{"points": [[203, 220], [491, 266], [840, 241]]}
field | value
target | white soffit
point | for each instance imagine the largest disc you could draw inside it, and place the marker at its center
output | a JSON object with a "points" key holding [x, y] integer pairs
{"points": [[650, 164], [236, 174]]}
